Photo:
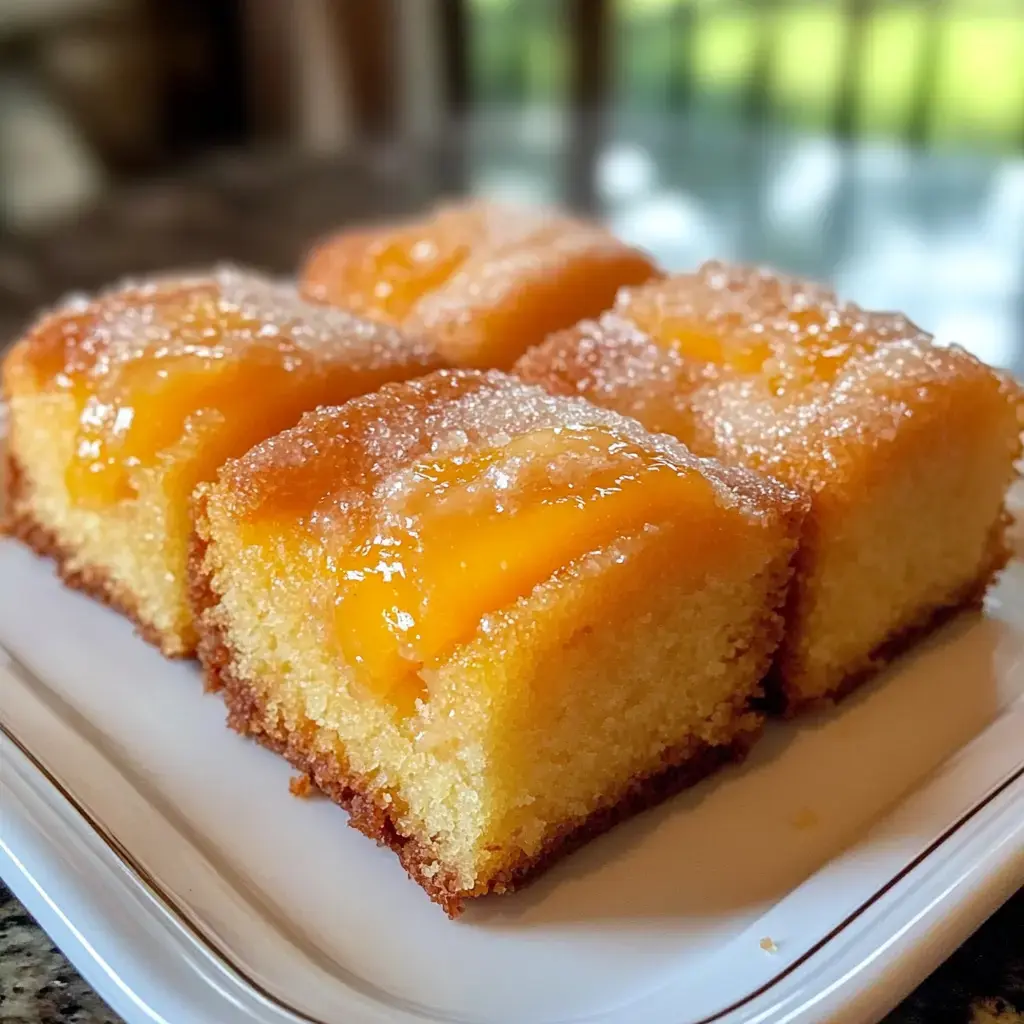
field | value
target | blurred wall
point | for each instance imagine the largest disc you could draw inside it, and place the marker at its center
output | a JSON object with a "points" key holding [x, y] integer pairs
{"points": [[322, 79], [63, 69]]}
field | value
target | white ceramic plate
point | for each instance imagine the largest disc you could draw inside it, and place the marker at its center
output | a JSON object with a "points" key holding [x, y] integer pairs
{"points": [[166, 857]]}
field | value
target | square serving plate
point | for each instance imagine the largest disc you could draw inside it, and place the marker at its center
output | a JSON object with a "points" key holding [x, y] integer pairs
{"points": [[821, 880]]}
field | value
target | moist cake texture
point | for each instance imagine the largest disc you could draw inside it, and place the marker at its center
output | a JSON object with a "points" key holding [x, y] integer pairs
{"points": [[906, 448], [121, 404], [487, 621], [484, 280]]}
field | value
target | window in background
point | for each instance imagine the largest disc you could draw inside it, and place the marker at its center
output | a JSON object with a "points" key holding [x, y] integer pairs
{"points": [[942, 71]]}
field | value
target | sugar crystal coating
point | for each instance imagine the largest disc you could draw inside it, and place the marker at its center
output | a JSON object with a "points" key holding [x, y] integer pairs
{"points": [[484, 280], [213, 316], [528, 246], [817, 435], [748, 320], [757, 368], [360, 451]]}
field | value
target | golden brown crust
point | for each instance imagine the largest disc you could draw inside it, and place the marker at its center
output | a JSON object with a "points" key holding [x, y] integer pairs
{"points": [[374, 818], [19, 522]]}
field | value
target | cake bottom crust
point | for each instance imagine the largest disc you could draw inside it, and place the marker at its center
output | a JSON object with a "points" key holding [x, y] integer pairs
{"points": [[374, 817], [17, 521]]}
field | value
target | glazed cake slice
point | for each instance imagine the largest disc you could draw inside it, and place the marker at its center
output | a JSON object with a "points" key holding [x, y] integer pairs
{"points": [[484, 280], [488, 622], [905, 448], [119, 406]]}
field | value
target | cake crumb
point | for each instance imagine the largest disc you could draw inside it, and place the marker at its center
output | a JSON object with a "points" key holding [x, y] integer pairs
{"points": [[300, 786], [768, 945]]}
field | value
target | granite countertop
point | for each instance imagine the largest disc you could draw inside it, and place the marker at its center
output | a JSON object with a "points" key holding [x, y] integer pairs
{"points": [[264, 211], [982, 983], [37, 984]]}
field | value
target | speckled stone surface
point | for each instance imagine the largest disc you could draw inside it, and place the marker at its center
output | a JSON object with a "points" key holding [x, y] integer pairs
{"points": [[982, 983], [37, 984]]}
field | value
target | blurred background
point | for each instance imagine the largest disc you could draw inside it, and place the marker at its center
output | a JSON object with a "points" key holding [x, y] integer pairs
{"points": [[876, 143]]}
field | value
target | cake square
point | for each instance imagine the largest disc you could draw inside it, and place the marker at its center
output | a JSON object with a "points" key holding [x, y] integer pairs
{"points": [[488, 621], [484, 280], [905, 448], [119, 405]]}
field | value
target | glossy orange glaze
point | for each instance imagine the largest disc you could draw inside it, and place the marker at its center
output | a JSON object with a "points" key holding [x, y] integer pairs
{"points": [[459, 546]]}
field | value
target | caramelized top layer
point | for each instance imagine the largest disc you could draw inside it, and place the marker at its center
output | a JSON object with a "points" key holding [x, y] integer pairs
{"points": [[484, 280], [741, 320], [432, 504], [334, 463], [758, 369], [220, 361]]}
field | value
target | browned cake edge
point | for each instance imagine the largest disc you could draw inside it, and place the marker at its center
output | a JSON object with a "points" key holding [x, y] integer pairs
{"points": [[248, 715], [780, 696], [19, 522]]}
